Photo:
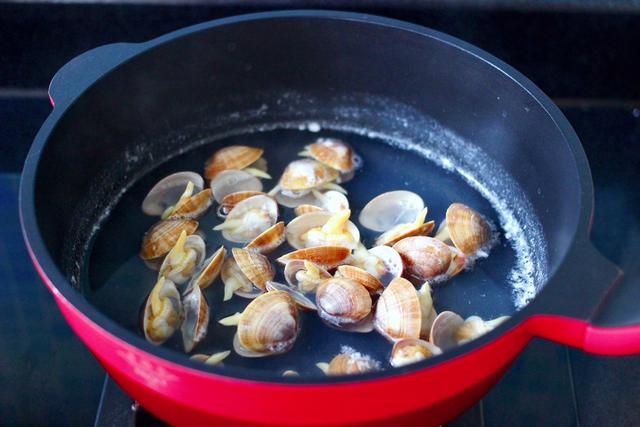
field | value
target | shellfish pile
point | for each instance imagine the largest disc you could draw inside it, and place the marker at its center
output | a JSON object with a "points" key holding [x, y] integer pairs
{"points": [[326, 270]]}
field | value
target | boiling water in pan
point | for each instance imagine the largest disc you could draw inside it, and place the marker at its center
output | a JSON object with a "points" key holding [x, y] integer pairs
{"points": [[120, 281]]}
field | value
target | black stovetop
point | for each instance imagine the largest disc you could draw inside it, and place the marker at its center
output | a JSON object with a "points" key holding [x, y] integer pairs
{"points": [[587, 62]]}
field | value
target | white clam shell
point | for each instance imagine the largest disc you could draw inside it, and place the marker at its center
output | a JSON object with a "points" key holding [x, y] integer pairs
{"points": [[391, 260], [257, 213], [389, 209], [196, 317], [168, 191], [232, 181], [305, 198]]}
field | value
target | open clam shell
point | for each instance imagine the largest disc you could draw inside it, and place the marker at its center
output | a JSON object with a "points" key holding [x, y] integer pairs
{"points": [[300, 299], [249, 218], [474, 326], [269, 240], [392, 265], [305, 174], [408, 351], [232, 157], [402, 231], [322, 229], [398, 314], [210, 269], [293, 200], [327, 257], [331, 201], [305, 275], [344, 303], [163, 235], [445, 329], [162, 312], [168, 190], [235, 282], [233, 181], [268, 326], [305, 209], [387, 210], [424, 258], [366, 279], [254, 266], [231, 200], [193, 207], [196, 317], [183, 259]]}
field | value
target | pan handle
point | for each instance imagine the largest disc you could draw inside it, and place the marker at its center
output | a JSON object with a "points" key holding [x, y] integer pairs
{"points": [[85, 69], [588, 305]]}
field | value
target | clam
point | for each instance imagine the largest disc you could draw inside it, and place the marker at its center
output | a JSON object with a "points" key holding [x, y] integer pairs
{"points": [[254, 266], [211, 359], [333, 153], [331, 201], [269, 325], [196, 317], [305, 275], [233, 181], [383, 262], [183, 259], [210, 269], [449, 329], [301, 176], [290, 373], [235, 282], [344, 304], [162, 312], [269, 240], [292, 202], [302, 301], [168, 190], [249, 218], [417, 228], [305, 209], [465, 228], [323, 229], [406, 352], [190, 206], [387, 210], [236, 157], [398, 313], [231, 200], [424, 258], [366, 279], [163, 235], [349, 362], [325, 256]]}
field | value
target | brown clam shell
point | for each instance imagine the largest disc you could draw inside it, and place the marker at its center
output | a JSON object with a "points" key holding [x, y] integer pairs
{"points": [[230, 200], [232, 157], [409, 351], [212, 267], [467, 229], [333, 153], [325, 256], [342, 301], [163, 235], [304, 209], [398, 313], [391, 239], [194, 207], [350, 364], [306, 174], [268, 325], [269, 240], [424, 258], [366, 279], [254, 266]]}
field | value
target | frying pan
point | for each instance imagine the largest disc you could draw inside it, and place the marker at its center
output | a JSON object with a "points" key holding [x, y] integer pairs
{"points": [[122, 111]]}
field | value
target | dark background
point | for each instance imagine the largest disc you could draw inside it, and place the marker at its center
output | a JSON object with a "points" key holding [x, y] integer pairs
{"points": [[585, 55]]}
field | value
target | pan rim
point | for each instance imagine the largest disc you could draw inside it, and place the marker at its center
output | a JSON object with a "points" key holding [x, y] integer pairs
{"points": [[51, 273]]}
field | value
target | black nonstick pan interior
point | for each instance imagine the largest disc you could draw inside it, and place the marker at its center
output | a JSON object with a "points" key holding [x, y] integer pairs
{"points": [[432, 118]]}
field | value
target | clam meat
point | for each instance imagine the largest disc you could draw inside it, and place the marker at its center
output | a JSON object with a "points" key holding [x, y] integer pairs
{"points": [[168, 190], [249, 218], [408, 351], [305, 275], [162, 312], [323, 229], [183, 259]]}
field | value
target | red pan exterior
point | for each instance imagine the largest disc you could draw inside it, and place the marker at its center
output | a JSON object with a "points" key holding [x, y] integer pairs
{"points": [[183, 396]]}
